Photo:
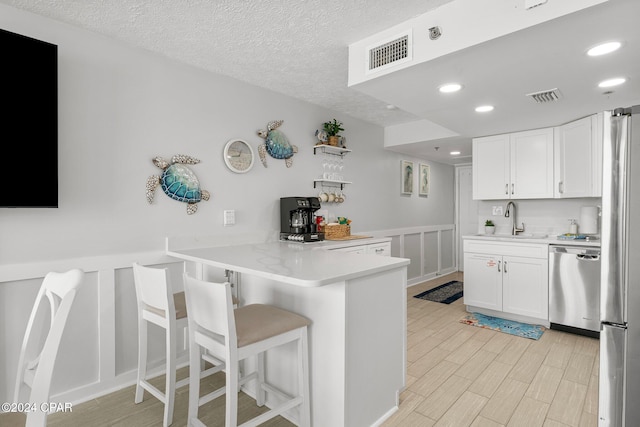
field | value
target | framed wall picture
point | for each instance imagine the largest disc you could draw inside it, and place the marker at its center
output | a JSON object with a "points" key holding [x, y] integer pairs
{"points": [[407, 177], [425, 180]]}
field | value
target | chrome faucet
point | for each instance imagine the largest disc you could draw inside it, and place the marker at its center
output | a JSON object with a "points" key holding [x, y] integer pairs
{"points": [[514, 229]]}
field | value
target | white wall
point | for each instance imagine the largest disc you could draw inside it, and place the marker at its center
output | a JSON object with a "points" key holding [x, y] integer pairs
{"points": [[120, 106]]}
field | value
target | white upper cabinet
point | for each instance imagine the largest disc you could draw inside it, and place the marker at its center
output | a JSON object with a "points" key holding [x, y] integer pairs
{"points": [[532, 164], [490, 167], [578, 154], [514, 166]]}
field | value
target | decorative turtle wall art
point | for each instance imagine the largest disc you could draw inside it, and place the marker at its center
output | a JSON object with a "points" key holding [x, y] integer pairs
{"points": [[177, 181], [276, 144]]}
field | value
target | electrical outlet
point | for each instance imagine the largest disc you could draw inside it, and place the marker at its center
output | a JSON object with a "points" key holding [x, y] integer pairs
{"points": [[229, 218], [497, 210]]}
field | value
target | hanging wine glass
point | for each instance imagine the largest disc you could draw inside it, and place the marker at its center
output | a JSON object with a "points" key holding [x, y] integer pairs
{"points": [[325, 167]]}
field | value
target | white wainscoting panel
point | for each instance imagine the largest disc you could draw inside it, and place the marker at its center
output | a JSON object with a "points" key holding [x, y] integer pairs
{"points": [[431, 250], [98, 353]]}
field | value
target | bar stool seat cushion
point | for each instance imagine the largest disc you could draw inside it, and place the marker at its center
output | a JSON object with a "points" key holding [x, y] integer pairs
{"points": [[178, 301], [257, 322], [181, 306]]}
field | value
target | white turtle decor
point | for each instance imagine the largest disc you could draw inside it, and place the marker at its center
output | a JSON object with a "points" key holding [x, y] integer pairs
{"points": [[177, 181], [276, 144]]}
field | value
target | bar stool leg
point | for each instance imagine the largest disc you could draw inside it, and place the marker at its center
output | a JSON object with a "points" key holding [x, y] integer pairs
{"points": [[231, 400], [142, 359], [170, 376], [195, 358], [260, 392], [303, 380]]}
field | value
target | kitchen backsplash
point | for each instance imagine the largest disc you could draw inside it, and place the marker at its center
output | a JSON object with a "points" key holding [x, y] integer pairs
{"points": [[551, 217]]}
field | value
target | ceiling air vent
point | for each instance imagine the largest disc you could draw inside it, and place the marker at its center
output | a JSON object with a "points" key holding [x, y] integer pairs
{"points": [[390, 52], [545, 95]]}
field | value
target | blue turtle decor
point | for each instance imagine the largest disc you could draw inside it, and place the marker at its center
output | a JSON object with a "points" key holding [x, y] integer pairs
{"points": [[177, 181], [276, 144]]}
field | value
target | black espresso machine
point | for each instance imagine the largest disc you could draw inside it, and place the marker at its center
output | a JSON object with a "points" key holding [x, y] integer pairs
{"points": [[296, 219]]}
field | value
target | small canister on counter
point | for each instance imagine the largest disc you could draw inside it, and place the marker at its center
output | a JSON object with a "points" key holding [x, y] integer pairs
{"points": [[573, 226]]}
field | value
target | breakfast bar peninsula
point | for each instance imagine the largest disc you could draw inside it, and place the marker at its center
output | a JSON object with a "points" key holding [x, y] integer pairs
{"points": [[357, 305]]}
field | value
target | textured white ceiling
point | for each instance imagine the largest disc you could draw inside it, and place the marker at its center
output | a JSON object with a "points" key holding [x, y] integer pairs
{"points": [[299, 48]]}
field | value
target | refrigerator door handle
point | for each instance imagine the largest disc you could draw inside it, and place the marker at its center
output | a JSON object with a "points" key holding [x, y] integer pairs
{"points": [[611, 378], [614, 197]]}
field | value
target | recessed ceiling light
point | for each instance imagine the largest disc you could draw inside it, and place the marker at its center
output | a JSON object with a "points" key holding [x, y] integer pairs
{"points": [[455, 153], [604, 48], [450, 87], [484, 108], [391, 107], [612, 82]]}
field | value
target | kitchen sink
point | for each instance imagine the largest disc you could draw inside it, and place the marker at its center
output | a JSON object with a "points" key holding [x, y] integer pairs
{"points": [[509, 236]]}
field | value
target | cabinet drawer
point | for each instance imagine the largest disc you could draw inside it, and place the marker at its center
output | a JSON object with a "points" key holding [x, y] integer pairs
{"points": [[382, 249], [529, 250], [353, 249]]}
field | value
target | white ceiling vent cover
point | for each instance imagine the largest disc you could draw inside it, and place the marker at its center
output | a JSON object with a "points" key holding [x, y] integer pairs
{"points": [[390, 52], [545, 95]]}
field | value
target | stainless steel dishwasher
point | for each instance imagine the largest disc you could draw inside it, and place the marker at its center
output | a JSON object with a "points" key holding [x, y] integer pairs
{"points": [[574, 289]]}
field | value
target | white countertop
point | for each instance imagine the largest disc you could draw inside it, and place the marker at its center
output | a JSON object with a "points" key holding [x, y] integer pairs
{"points": [[293, 263], [547, 240]]}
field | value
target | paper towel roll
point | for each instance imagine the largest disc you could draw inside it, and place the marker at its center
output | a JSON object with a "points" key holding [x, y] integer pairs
{"points": [[589, 220]]}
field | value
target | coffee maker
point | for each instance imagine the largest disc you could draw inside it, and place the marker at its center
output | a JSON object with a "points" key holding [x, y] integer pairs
{"points": [[296, 219]]}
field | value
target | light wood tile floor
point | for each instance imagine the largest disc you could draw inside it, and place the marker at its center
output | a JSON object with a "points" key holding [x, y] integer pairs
{"points": [[118, 409], [458, 375]]}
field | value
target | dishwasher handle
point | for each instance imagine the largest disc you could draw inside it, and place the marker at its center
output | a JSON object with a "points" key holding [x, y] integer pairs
{"points": [[574, 250]]}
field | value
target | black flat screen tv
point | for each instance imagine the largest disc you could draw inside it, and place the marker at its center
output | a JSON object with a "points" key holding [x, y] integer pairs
{"points": [[28, 122]]}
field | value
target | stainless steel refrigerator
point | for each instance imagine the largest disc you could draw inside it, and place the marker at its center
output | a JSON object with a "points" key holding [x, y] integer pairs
{"points": [[619, 381]]}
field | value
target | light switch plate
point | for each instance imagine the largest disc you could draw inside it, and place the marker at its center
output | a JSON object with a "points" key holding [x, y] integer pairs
{"points": [[496, 210], [229, 218]]}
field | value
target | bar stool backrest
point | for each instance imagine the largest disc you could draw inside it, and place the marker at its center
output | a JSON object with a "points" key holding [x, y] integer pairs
{"points": [[60, 290], [211, 308], [153, 291]]}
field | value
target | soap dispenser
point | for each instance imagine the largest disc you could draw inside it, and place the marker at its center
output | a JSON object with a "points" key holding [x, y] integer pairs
{"points": [[573, 226]]}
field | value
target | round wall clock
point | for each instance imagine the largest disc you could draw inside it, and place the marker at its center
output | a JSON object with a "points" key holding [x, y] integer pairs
{"points": [[238, 156]]}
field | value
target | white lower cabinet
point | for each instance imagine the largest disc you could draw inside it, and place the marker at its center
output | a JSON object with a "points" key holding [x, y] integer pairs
{"points": [[352, 249], [483, 281], [525, 287], [383, 249], [507, 278]]}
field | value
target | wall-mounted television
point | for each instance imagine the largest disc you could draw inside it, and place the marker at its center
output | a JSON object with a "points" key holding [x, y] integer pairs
{"points": [[28, 122]]}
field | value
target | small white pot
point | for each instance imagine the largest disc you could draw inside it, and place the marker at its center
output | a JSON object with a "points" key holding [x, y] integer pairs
{"points": [[489, 229]]}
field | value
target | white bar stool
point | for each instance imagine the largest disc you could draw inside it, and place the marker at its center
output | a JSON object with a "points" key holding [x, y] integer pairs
{"points": [[60, 289], [159, 305], [233, 335]]}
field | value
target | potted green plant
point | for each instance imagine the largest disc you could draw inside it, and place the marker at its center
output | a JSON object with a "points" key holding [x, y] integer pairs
{"points": [[489, 227], [333, 129]]}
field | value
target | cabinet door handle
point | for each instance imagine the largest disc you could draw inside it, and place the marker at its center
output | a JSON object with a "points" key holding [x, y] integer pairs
{"points": [[506, 189], [513, 191], [499, 266], [505, 266], [560, 187]]}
